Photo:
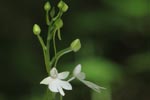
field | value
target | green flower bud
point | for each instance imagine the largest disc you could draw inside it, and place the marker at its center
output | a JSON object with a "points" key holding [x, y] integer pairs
{"points": [[59, 23], [36, 29], [75, 45], [62, 6], [47, 6]]}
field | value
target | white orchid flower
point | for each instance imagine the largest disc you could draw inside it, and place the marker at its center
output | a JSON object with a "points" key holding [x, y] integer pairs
{"points": [[55, 82], [81, 76]]}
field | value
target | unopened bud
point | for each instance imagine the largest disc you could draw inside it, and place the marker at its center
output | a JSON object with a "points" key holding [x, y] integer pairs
{"points": [[36, 29], [76, 45], [47, 6], [59, 23], [62, 6]]}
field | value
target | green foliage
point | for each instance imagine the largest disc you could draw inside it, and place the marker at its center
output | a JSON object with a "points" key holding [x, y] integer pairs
{"points": [[139, 62], [101, 70]]}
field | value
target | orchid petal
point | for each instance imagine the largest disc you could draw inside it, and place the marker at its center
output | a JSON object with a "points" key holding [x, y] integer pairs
{"points": [[77, 69], [61, 91], [46, 80], [81, 76], [63, 75], [92, 85], [65, 85], [54, 86]]}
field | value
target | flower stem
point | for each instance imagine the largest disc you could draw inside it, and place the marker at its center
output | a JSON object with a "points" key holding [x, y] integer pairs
{"points": [[50, 95], [61, 54], [72, 78], [44, 52], [51, 32], [58, 55], [54, 43], [49, 37], [47, 18], [61, 97]]}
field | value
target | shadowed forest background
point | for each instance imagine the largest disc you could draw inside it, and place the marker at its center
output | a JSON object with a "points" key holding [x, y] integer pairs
{"points": [[115, 53]]}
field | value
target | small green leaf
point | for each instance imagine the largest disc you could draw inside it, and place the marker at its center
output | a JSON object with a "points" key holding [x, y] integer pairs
{"points": [[52, 13]]}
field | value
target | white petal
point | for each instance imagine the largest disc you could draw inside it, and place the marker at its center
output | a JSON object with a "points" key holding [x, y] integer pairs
{"points": [[81, 76], [65, 85], [53, 72], [77, 69], [63, 75], [61, 91], [92, 85], [53, 86], [46, 80]]}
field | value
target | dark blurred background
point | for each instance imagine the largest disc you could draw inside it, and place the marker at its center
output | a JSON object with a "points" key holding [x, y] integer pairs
{"points": [[115, 37]]}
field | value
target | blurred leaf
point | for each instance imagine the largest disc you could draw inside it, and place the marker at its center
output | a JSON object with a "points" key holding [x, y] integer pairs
{"points": [[25, 62], [139, 62], [98, 69], [132, 8], [102, 21], [2, 97]]}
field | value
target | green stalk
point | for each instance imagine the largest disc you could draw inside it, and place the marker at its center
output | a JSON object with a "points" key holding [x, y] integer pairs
{"points": [[49, 37], [47, 18], [51, 32], [61, 98], [58, 55], [54, 43], [44, 52]]}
